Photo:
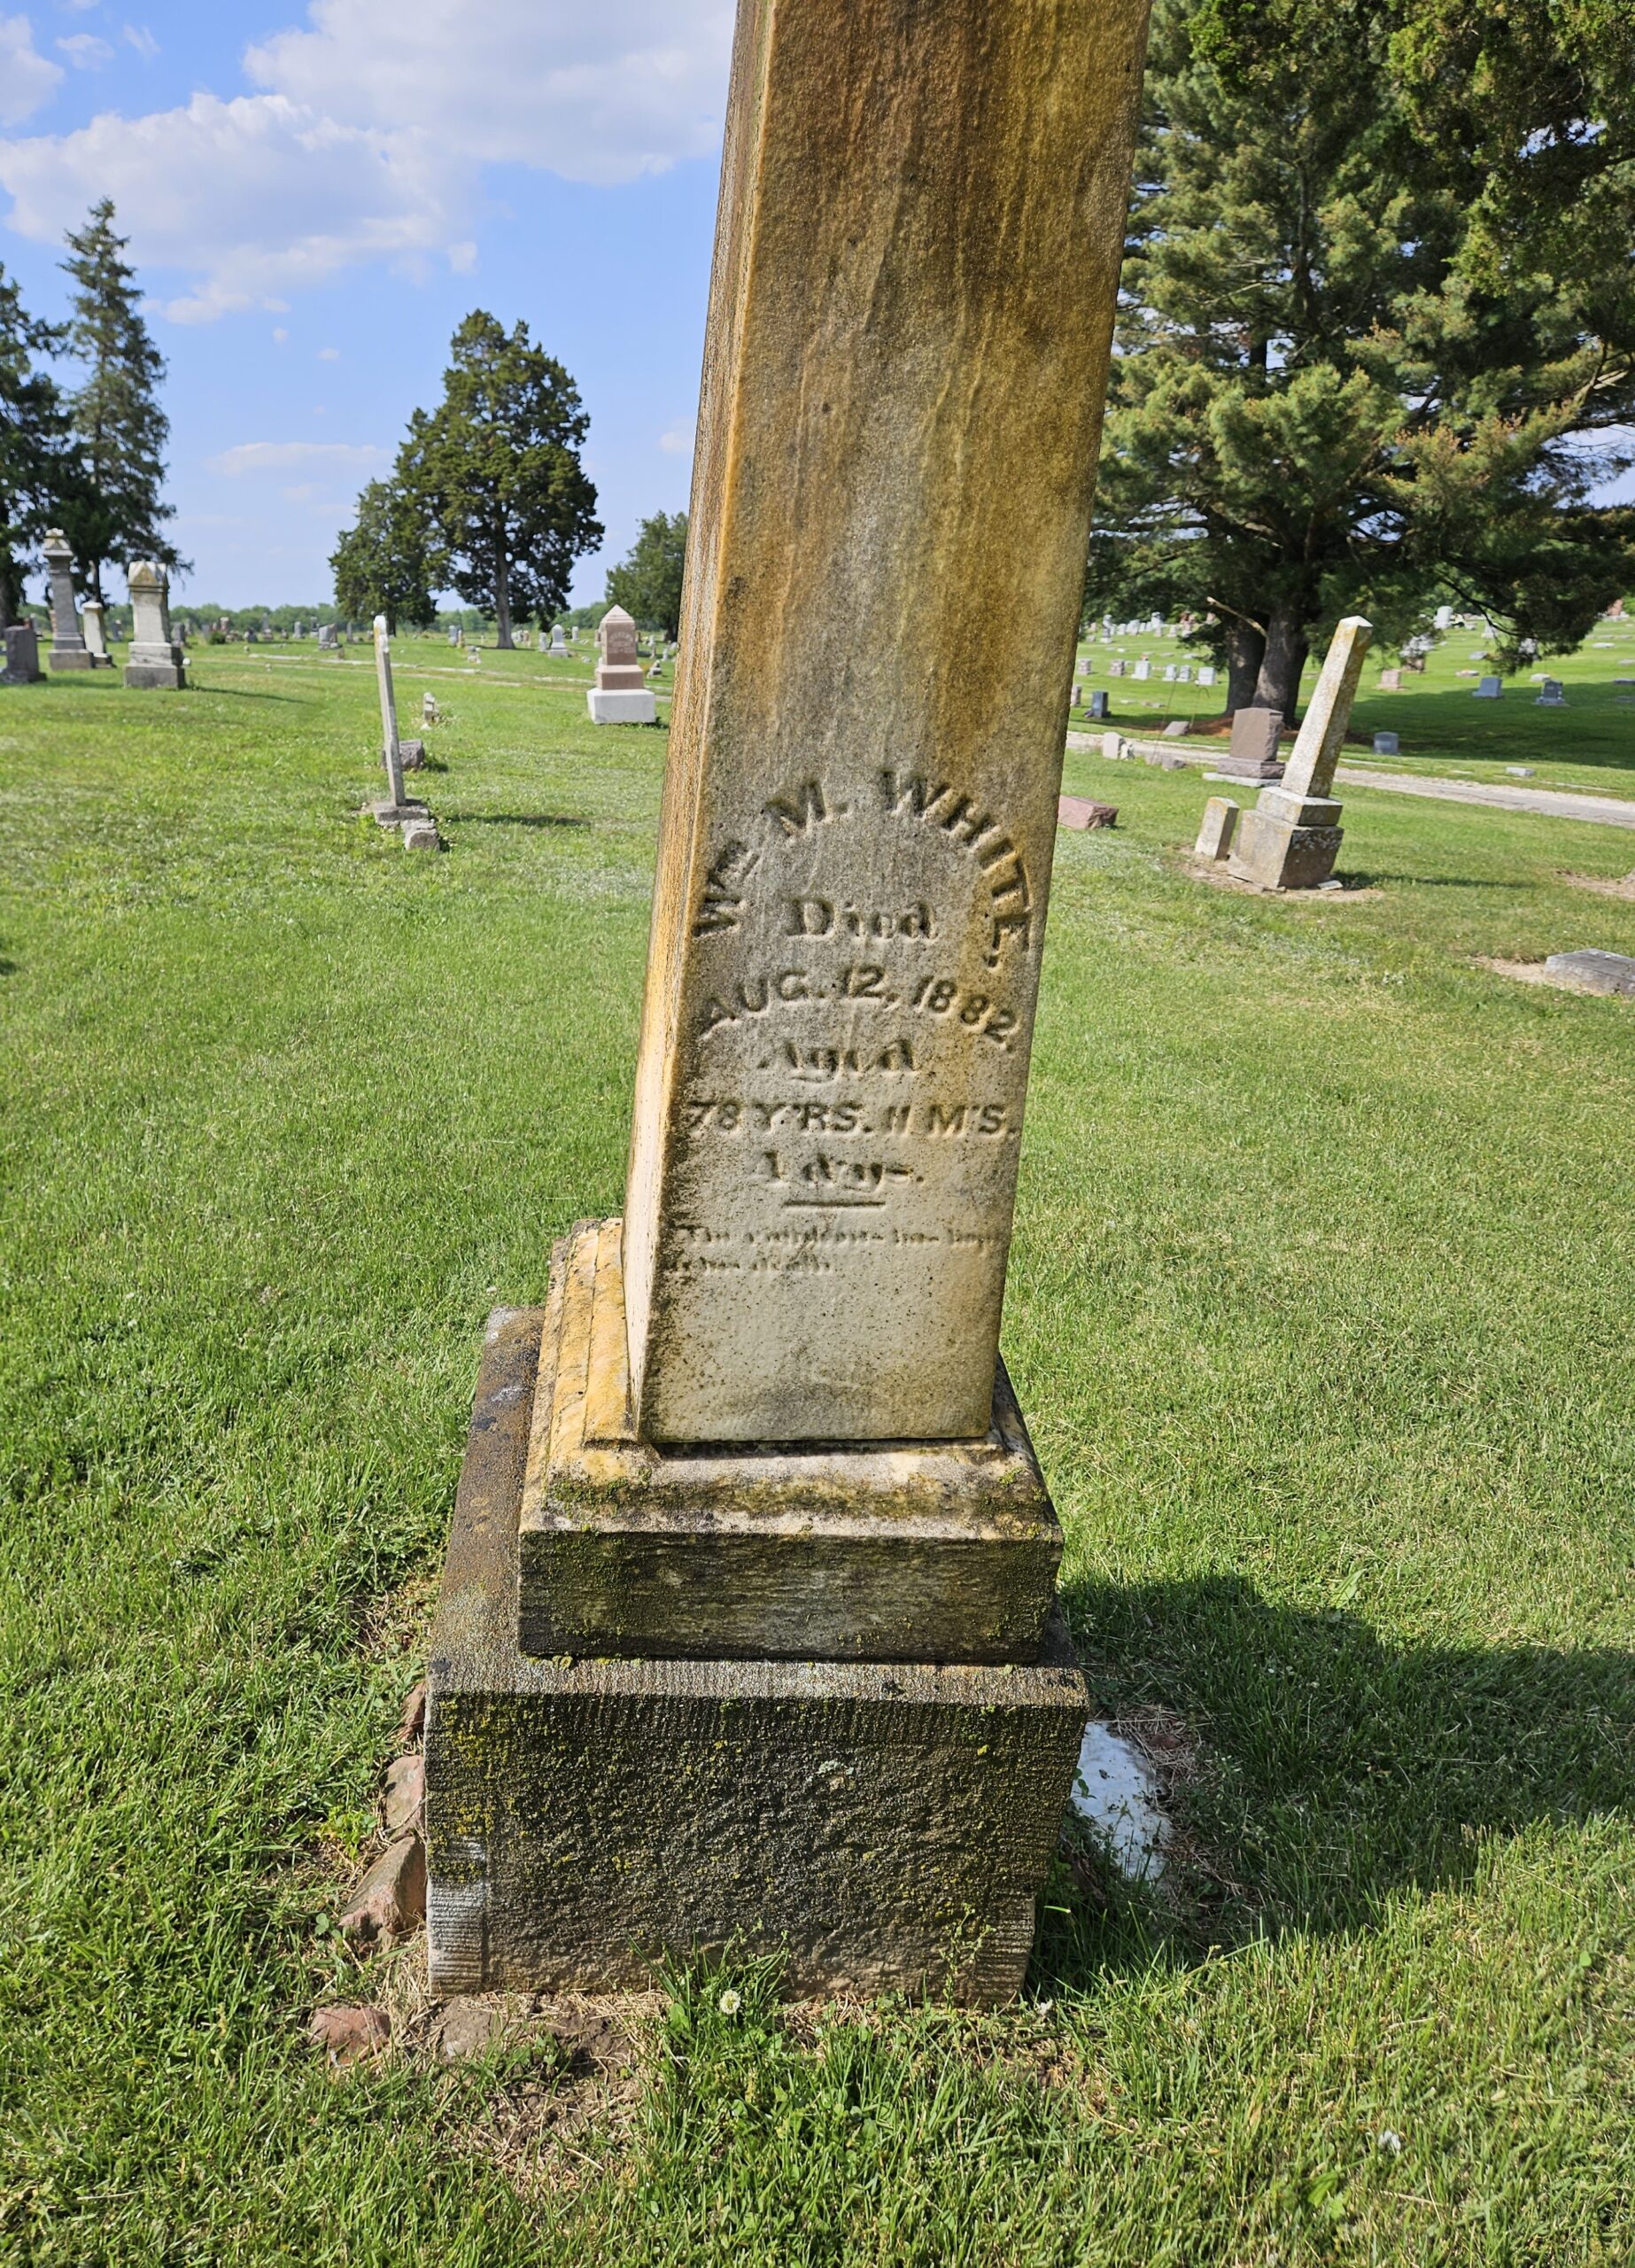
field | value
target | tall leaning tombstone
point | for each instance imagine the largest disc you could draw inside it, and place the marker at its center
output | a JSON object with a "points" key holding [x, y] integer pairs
{"points": [[1290, 838], [749, 1633], [68, 648], [154, 661]]}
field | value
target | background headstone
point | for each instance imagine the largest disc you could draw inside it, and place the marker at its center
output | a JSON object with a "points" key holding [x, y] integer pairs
{"points": [[68, 646], [22, 656], [153, 661], [1491, 688], [620, 696], [1290, 838]]}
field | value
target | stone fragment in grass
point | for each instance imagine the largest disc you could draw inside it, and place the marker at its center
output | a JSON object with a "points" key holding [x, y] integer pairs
{"points": [[472, 2024], [412, 755], [347, 2033], [1115, 1792], [406, 1785], [421, 835], [413, 1713], [1214, 836], [1592, 971], [1082, 811], [391, 1900]]}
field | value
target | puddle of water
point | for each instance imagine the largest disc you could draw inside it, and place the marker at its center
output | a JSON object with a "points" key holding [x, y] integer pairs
{"points": [[1115, 1791]]}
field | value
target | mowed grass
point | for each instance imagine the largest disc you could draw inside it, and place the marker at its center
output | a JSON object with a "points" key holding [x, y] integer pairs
{"points": [[1442, 727], [1320, 1307]]}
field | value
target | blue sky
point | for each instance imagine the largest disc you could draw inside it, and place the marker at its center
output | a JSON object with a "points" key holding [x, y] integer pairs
{"points": [[315, 199]]}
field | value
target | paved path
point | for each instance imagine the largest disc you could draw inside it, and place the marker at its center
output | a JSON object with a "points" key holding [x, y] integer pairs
{"points": [[1551, 803]]}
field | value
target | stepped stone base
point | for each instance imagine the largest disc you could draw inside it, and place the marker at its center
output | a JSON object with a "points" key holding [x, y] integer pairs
{"points": [[1288, 842], [622, 708], [899, 1552], [879, 1825]]}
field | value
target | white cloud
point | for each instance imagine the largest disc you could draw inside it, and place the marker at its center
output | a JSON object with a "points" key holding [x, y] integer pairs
{"points": [[286, 456], [329, 354], [676, 440], [140, 38], [26, 78], [375, 122], [256, 196], [598, 94], [279, 335], [85, 50]]}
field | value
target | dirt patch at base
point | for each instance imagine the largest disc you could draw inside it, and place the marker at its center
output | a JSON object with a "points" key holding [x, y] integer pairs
{"points": [[1524, 972], [1621, 886], [1206, 870]]}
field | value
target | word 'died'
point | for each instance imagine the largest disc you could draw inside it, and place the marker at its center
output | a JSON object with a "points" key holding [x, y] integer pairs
{"points": [[817, 917]]}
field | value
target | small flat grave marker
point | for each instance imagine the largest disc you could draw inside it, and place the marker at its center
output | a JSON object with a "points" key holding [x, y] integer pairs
{"points": [[1592, 970]]}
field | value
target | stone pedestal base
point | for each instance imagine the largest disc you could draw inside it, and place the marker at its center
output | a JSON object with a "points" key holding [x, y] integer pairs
{"points": [[897, 1552], [1287, 841], [622, 708], [879, 1827], [156, 669], [70, 658]]}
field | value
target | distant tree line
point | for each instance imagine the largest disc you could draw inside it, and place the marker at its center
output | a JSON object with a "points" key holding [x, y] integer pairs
{"points": [[1376, 327], [88, 458]]}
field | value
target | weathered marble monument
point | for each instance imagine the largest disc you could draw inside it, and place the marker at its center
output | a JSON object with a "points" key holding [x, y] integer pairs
{"points": [[21, 656], [69, 650], [155, 661], [92, 617], [748, 1634], [398, 808], [1290, 838], [621, 694]]}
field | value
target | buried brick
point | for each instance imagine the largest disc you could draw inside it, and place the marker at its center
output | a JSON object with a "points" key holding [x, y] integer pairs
{"points": [[347, 2033], [405, 1787], [413, 1713], [391, 1900]]}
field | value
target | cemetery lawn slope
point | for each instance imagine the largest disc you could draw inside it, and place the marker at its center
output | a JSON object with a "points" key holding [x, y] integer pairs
{"points": [[1318, 1309]]}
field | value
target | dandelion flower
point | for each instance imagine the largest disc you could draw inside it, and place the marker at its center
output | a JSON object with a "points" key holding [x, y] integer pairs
{"points": [[1390, 2142], [730, 2002]]}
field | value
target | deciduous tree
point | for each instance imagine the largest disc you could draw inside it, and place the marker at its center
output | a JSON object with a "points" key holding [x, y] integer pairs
{"points": [[34, 428], [389, 561], [647, 583]]}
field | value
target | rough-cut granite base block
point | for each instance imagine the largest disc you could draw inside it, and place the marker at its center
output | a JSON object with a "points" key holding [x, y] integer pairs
{"points": [[156, 677], [879, 1825], [1270, 852], [892, 1551]]}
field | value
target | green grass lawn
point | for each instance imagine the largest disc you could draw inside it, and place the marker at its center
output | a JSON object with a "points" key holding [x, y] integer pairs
{"points": [[1590, 745], [1320, 1307]]}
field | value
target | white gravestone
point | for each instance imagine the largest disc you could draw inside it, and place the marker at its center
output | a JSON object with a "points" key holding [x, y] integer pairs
{"points": [[620, 696], [154, 661]]}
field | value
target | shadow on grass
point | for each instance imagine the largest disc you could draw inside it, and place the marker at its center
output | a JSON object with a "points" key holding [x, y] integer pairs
{"points": [[1334, 1767], [513, 819]]}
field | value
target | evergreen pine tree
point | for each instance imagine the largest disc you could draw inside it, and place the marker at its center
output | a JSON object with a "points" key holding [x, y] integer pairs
{"points": [[1349, 377], [33, 426], [497, 467], [118, 423]]}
